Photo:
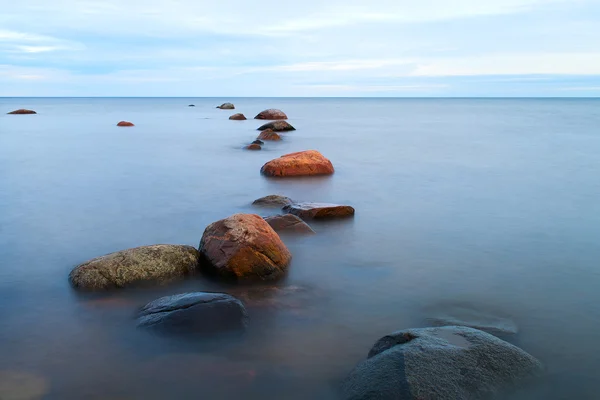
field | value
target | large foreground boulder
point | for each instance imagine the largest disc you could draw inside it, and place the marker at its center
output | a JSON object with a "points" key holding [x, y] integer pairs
{"points": [[243, 247], [277, 126], [288, 223], [440, 363], [269, 134], [238, 117], [303, 163], [125, 123], [22, 111], [272, 114], [272, 200], [202, 313], [226, 106], [159, 262], [319, 210]]}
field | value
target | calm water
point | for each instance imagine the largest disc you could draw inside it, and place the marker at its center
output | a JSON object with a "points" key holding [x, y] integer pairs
{"points": [[492, 204]]}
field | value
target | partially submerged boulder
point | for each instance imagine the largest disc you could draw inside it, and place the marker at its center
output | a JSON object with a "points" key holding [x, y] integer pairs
{"points": [[125, 123], [158, 263], [277, 126], [260, 142], [226, 106], [253, 146], [199, 312], [22, 111], [271, 114], [319, 210], [192, 105], [303, 163], [273, 200], [440, 363], [243, 247], [269, 134], [238, 117], [288, 223]]}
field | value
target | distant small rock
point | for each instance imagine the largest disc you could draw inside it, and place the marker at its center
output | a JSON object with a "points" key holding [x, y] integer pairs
{"points": [[260, 142], [238, 117], [319, 210], [253, 146], [277, 126], [125, 123], [22, 111], [288, 223], [273, 200], [269, 134], [303, 163], [191, 105], [271, 114], [226, 106], [198, 313]]}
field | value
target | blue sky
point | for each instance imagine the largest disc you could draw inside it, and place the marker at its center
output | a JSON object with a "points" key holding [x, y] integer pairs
{"points": [[301, 48]]}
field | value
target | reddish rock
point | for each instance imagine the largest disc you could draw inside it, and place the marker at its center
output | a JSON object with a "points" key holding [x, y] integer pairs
{"points": [[258, 142], [273, 200], [253, 146], [304, 163], [22, 111], [243, 247], [277, 126], [272, 114], [226, 106], [238, 117], [288, 223], [125, 123], [319, 210], [269, 134]]}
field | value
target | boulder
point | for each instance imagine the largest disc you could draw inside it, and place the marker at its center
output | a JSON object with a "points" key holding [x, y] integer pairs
{"points": [[258, 142], [237, 117], [271, 114], [304, 163], [440, 363], [159, 262], [243, 247], [226, 106], [201, 313], [288, 223], [277, 126], [192, 105], [273, 200], [22, 111], [125, 123], [319, 210], [253, 146], [269, 134]]}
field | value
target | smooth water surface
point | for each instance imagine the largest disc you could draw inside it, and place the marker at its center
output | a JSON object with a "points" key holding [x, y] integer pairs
{"points": [[491, 204]]}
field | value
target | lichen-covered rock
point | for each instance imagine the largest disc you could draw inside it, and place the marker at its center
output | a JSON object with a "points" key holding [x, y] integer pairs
{"points": [[22, 111], [288, 223], [238, 117], [273, 200], [269, 134], [125, 123], [303, 163], [226, 106], [253, 146], [319, 210], [271, 114], [159, 262], [200, 312], [243, 247], [277, 126], [444, 363]]}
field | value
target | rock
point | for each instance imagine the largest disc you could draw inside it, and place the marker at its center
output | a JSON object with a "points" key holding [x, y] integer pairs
{"points": [[226, 106], [238, 117], [20, 385], [125, 123], [288, 223], [273, 200], [319, 210], [203, 313], [22, 111], [440, 363], [272, 114], [464, 316], [303, 163], [159, 262], [258, 142], [277, 126], [191, 105], [243, 247], [269, 134], [253, 146]]}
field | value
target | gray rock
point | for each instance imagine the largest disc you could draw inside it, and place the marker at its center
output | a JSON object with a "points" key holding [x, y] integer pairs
{"points": [[159, 262], [288, 223], [319, 210], [272, 200], [440, 363], [277, 126], [202, 313], [226, 106]]}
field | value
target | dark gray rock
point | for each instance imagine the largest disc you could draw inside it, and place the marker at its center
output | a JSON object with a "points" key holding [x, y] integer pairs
{"points": [[440, 363], [288, 223], [260, 142], [192, 105], [201, 313], [273, 200], [319, 210], [277, 126], [226, 106]]}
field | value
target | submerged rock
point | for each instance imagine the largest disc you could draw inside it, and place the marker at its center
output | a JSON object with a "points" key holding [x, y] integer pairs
{"points": [[226, 106], [203, 313], [273, 200], [238, 117], [277, 126], [243, 247], [440, 363], [159, 262], [319, 210], [288, 223], [464, 316], [271, 114], [22, 111], [303, 163], [269, 134], [253, 146], [125, 123]]}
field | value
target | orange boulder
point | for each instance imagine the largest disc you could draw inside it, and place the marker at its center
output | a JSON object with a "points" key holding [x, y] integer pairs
{"points": [[304, 163]]}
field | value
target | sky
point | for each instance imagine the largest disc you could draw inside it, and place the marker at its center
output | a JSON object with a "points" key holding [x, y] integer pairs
{"points": [[264, 48]]}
